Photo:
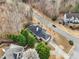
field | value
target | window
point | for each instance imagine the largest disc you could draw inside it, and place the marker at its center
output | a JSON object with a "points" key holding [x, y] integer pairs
{"points": [[15, 56]]}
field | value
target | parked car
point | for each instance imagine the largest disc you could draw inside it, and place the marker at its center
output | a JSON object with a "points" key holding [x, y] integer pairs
{"points": [[54, 26]]}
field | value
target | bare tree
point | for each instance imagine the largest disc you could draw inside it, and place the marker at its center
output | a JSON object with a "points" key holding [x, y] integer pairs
{"points": [[30, 54], [13, 14]]}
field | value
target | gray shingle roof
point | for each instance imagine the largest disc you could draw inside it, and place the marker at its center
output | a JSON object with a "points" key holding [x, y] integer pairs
{"points": [[39, 32], [69, 15]]}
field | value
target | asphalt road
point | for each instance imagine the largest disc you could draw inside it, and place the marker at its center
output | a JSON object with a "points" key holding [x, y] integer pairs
{"points": [[65, 34]]}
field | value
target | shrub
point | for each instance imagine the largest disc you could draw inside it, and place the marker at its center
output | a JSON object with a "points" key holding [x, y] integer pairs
{"points": [[24, 32], [21, 40], [54, 18], [30, 38], [25, 37], [71, 42], [43, 50], [13, 37]]}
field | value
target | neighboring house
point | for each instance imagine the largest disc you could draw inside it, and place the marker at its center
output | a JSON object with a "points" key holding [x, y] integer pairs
{"points": [[39, 32], [71, 19], [13, 52]]}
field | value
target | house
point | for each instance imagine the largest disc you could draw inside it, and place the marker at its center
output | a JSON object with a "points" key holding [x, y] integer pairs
{"points": [[13, 52], [71, 19], [39, 32]]}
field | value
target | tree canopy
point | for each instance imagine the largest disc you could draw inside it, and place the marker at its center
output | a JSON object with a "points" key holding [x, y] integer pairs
{"points": [[29, 37], [21, 40], [25, 37], [43, 50]]}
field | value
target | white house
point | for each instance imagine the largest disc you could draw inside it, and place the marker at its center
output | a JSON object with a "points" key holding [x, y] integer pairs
{"points": [[13, 52], [71, 19]]}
